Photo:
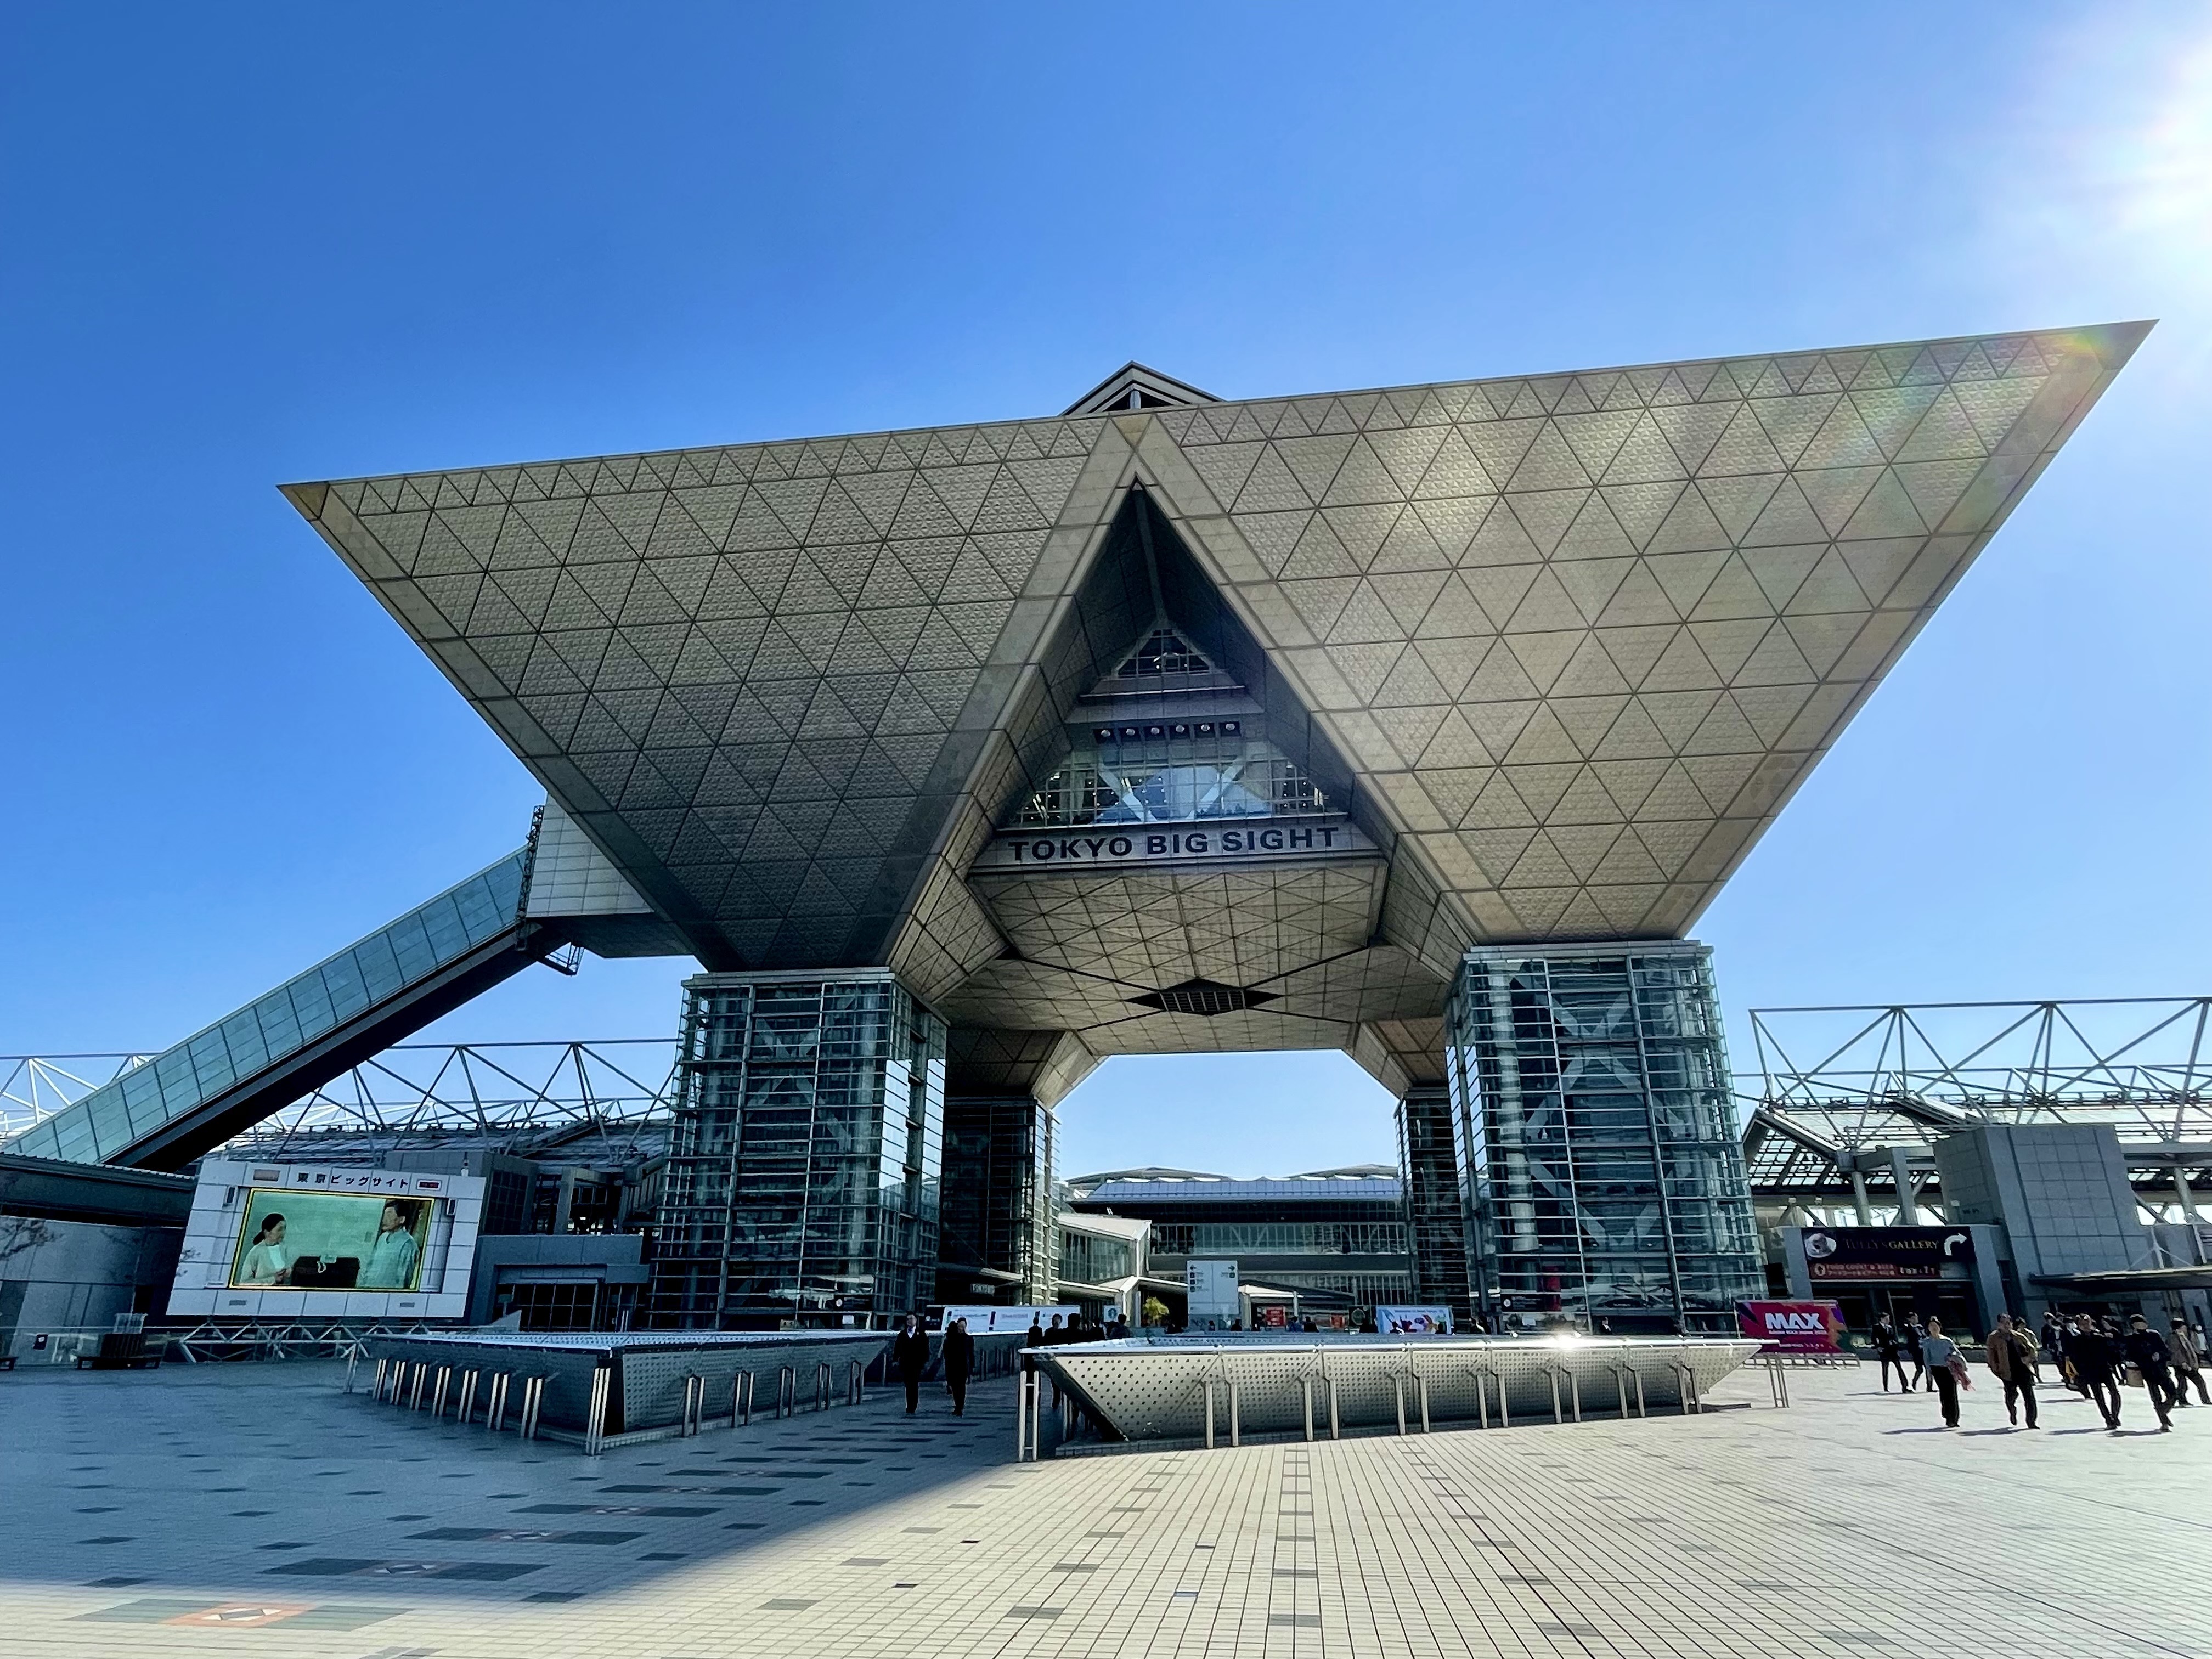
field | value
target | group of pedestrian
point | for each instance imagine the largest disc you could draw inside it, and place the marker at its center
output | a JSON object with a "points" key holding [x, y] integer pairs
{"points": [[2093, 1354], [910, 1357], [910, 1351]]}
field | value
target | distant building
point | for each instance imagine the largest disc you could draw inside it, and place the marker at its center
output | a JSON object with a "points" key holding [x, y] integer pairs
{"points": [[1334, 1237]]}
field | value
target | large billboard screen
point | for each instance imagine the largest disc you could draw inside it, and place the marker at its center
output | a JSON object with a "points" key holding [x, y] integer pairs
{"points": [[331, 1242], [327, 1241]]}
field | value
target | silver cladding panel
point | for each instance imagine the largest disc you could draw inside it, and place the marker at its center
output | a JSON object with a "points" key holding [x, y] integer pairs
{"points": [[1155, 1390], [651, 1366]]}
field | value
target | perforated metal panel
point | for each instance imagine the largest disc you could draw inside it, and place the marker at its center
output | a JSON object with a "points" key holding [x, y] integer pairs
{"points": [[1156, 1390], [650, 1367]]}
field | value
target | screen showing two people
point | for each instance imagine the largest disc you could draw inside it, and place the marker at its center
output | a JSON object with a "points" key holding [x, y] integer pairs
{"points": [[331, 1242]]}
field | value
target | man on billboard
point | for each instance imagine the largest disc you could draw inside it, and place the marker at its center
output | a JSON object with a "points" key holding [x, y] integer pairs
{"points": [[391, 1264]]}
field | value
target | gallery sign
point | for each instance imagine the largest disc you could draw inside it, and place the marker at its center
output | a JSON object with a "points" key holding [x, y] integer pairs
{"points": [[1225, 840], [1864, 1255]]}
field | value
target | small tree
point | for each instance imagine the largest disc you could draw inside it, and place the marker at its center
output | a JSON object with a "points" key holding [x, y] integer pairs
{"points": [[1155, 1311]]}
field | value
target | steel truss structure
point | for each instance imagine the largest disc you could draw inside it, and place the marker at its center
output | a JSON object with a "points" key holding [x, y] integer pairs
{"points": [[33, 1087], [513, 1096], [1841, 1088]]}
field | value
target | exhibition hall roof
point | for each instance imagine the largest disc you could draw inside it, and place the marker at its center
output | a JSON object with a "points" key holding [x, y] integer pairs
{"points": [[1332, 686]]}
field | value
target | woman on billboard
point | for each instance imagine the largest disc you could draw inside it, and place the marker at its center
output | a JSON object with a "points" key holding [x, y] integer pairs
{"points": [[265, 1263]]}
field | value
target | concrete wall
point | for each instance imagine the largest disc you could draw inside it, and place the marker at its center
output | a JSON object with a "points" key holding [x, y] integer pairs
{"points": [[64, 1275], [609, 1259], [2061, 1193]]}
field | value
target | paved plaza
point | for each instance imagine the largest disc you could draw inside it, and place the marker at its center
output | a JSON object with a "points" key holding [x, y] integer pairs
{"points": [[257, 1510]]}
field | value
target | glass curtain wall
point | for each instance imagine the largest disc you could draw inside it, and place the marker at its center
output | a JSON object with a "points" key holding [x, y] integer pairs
{"points": [[998, 1199], [1436, 1201], [804, 1178], [1604, 1183]]}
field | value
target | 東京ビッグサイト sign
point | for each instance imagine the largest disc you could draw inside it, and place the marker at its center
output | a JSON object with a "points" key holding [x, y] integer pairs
{"points": [[1225, 840]]}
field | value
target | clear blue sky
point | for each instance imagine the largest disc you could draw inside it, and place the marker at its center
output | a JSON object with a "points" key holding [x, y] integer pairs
{"points": [[239, 245]]}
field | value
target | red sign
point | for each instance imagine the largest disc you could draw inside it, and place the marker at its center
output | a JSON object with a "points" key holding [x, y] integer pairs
{"points": [[1792, 1326], [1273, 1316]]}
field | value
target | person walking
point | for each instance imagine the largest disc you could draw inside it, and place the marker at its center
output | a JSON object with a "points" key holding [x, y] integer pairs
{"points": [[1054, 1335], [2188, 1364], [1035, 1337], [1940, 1354], [2095, 1359], [910, 1353], [959, 1361], [2012, 1355], [1915, 1334], [1889, 1348], [2150, 1353], [2053, 1336]]}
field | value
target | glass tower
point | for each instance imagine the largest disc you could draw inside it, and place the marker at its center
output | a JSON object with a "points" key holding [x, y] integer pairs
{"points": [[998, 1206], [803, 1181], [1436, 1200], [1603, 1178]]}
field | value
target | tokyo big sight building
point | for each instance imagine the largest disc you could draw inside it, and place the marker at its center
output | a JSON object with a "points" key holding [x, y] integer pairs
{"points": [[1421, 723]]}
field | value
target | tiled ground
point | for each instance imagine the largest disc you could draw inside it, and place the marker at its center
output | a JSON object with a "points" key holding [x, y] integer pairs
{"points": [[255, 1510]]}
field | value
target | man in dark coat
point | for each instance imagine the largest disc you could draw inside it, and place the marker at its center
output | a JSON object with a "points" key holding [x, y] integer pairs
{"points": [[2095, 1359], [2150, 1353], [911, 1354], [959, 1361], [1889, 1348]]}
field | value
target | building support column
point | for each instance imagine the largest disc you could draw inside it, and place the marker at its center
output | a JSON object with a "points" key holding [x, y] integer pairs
{"points": [[803, 1177], [1862, 1205], [1901, 1170], [996, 1226], [1606, 1183], [1435, 1200]]}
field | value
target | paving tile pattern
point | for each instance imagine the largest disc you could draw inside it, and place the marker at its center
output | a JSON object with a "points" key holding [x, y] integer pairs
{"points": [[1849, 1525]]}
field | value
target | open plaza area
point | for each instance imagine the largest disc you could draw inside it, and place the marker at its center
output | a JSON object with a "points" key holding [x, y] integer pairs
{"points": [[252, 1509]]}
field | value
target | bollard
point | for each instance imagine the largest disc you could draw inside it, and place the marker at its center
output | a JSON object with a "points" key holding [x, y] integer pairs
{"points": [[1484, 1376], [1621, 1374], [695, 1401], [533, 1399], [1398, 1383], [376, 1385], [468, 1410], [1686, 1380], [741, 1399], [1236, 1438], [438, 1394], [595, 1412], [786, 1392], [421, 1375], [1555, 1373], [1306, 1383], [1422, 1383], [822, 1386], [1209, 1414], [496, 1402], [1335, 1430]]}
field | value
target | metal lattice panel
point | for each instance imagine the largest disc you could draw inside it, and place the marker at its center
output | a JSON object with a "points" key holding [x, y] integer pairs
{"points": [[1156, 1391], [1562, 646]]}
